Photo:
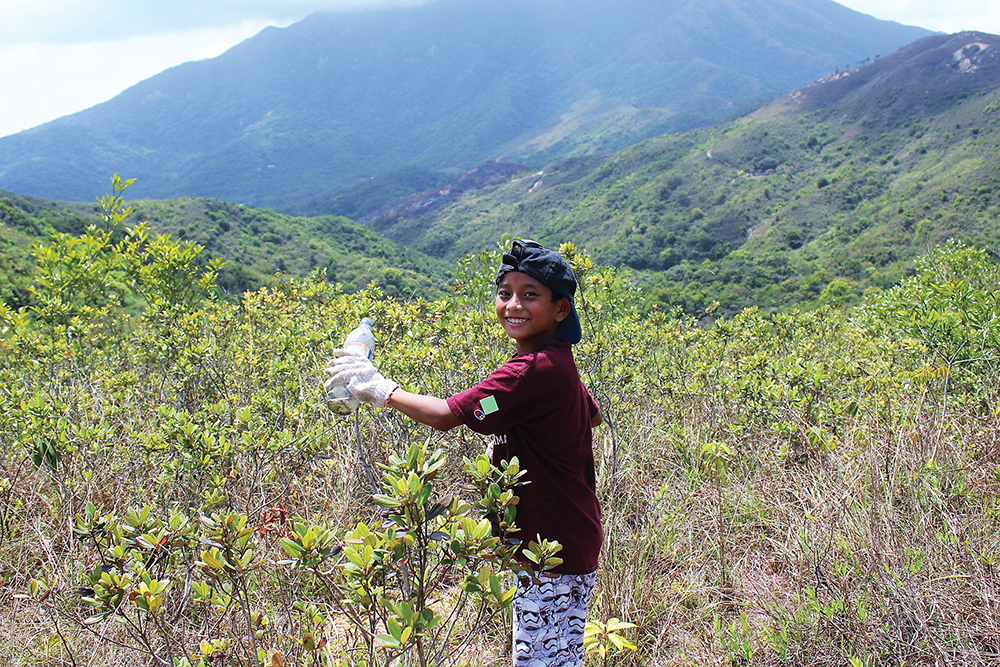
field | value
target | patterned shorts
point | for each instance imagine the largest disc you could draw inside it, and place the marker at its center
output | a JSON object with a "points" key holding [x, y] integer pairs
{"points": [[549, 620]]}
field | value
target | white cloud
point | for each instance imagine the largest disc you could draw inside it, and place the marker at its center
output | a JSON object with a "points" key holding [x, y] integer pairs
{"points": [[982, 15], [45, 81], [58, 57], [100, 20]]}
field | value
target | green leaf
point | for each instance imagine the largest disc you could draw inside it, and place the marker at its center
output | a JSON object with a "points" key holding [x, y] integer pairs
{"points": [[614, 624], [291, 547], [209, 559], [394, 628]]}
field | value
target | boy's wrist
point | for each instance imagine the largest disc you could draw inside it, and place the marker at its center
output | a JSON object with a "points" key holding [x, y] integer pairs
{"points": [[388, 396]]}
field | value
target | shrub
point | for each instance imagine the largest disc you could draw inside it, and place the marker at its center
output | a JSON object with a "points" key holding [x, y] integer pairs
{"points": [[776, 489]]}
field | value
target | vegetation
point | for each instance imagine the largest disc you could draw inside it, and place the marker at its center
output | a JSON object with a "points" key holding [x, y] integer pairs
{"points": [[780, 486], [256, 244], [810, 201], [24, 222], [802, 489], [359, 200]]}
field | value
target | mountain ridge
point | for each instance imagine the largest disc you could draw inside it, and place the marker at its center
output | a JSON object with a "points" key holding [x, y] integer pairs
{"points": [[297, 114]]}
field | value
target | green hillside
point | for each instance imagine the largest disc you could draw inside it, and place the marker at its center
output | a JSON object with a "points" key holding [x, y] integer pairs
{"points": [[810, 199], [24, 222], [256, 244], [361, 199], [259, 243]]}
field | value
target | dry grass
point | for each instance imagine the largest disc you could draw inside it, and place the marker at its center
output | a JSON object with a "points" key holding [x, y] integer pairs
{"points": [[866, 551], [882, 549], [854, 523]]}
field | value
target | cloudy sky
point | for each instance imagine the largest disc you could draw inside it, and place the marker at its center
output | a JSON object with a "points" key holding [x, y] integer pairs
{"points": [[61, 56]]}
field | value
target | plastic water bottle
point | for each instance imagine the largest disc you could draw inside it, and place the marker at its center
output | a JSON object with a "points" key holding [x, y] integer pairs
{"points": [[361, 341]]}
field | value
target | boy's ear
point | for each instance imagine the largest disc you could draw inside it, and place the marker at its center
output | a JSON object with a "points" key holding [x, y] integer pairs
{"points": [[564, 308]]}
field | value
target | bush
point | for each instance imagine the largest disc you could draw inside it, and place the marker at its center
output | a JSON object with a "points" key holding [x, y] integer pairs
{"points": [[783, 489]]}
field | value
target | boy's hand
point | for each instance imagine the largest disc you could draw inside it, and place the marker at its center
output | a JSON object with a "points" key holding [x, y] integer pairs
{"points": [[360, 377]]}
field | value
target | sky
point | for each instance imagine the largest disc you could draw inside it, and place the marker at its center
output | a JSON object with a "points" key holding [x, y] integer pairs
{"points": [[58, 57]]}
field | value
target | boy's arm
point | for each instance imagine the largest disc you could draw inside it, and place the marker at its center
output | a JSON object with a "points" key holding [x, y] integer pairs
{"points": [[428, 410], [366, 384], [597, 419]]}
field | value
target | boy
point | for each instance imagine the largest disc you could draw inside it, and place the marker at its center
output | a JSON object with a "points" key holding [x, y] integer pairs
{"points": [[537, 409]]}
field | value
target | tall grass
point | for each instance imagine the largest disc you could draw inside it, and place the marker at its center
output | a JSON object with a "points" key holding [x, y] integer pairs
{"points": [[849, 514]]}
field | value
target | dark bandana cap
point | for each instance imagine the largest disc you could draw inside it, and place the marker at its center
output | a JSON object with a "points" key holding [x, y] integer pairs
{"points": [[548, 267]]}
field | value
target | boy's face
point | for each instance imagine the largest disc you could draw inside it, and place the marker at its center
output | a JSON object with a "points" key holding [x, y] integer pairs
{"points": [[527, 312]]}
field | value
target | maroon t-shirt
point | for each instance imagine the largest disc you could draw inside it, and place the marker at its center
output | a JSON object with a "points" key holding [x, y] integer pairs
{"points": [[537, 409]]}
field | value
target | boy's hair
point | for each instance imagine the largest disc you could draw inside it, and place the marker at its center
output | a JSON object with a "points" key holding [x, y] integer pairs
{"points": [[549, 268]]}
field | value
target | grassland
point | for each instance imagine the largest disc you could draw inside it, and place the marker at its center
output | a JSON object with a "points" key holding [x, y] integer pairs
{"points": [[799, 489]]}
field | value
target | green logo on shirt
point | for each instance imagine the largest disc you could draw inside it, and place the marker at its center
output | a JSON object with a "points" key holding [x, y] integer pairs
{"points": [[489, 405]]}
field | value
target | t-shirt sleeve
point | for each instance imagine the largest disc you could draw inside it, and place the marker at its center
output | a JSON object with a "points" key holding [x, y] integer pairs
{"points": [[504, 399]]}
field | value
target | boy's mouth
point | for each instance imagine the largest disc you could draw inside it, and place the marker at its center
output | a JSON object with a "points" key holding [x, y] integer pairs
{"points": [[516, 321]]}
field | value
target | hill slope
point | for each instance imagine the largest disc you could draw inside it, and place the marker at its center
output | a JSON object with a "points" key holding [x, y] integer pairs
{"points": [[255, 243], [837, 186], [295, 115]]}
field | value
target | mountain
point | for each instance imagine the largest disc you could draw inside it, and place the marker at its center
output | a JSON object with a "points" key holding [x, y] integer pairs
{"points": [[294, 116], [814, 197], [483, 176]]}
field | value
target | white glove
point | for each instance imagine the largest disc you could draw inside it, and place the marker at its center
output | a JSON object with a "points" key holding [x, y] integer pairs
{"points": [[360, 377]]}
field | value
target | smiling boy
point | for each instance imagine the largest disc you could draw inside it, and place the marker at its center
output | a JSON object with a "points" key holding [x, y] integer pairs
{"points": [[537, 409]]}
